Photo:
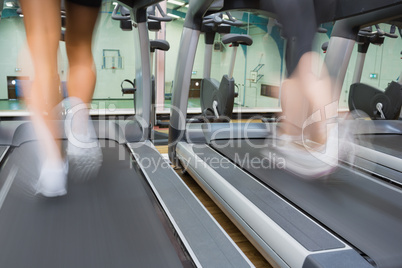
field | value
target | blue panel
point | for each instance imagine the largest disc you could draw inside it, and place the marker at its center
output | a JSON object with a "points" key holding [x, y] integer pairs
{"points": [[329, 26], [8, 13], [176, 12]]}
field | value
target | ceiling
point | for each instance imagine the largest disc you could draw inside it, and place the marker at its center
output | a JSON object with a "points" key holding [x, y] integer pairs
{"points": [[9, 3], [177, 8]]}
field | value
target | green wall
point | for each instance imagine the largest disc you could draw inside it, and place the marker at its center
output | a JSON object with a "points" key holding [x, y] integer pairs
{"points": [[384, 60], [12, 43]]}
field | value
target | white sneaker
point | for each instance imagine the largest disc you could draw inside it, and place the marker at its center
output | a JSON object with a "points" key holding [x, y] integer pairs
{"points": [[85, 157], [52, 179], [308, 160], [83, 149], [302, 162]]}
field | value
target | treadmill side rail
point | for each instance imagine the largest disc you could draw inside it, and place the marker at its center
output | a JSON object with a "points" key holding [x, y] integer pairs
{"points": [[3, 152], [207, 243]]}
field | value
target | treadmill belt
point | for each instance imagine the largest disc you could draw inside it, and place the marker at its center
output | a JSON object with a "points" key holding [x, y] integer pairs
{"points": [[387, 144], [110, 221], [365, 212]]}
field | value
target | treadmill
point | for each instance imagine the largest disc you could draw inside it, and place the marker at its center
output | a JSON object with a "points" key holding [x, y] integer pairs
{"points": [[136, 213], [352, 218], [381, 151]]}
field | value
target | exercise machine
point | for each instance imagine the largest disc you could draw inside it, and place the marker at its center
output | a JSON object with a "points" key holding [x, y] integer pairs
{"points": [[378, 150], [136, 213], [217, 98], [376, 103], [350, 219], [154, 24]]}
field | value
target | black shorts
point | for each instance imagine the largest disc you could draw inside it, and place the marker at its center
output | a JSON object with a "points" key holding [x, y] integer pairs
{"points": [[87, 3]]}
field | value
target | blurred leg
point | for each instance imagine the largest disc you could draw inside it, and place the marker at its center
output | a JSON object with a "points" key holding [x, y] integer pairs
{"points": [[80, 25], [42, 24], [298, 18], [316, 90], [84, 153], [306, 95]]}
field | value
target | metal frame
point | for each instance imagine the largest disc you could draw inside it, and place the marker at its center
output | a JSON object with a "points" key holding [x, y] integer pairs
{"points": [[143, 95], [143, 73]]}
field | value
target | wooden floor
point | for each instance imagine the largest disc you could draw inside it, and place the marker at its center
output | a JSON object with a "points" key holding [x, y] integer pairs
{"points": [[249, 250]]}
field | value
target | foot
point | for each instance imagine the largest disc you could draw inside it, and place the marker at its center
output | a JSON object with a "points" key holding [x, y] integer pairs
{"points": [[306, 162], [83, 149], [310, 160], [53, 179], [85, 156]]}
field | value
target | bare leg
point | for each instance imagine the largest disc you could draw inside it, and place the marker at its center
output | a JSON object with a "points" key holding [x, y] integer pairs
{"points": [[305, 85], [42, 24], [84, 153], [305, 92], [80, 25]]}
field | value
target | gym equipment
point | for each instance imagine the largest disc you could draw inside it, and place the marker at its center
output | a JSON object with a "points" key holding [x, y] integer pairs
{"points": [[370, 100], [136, 213], [154, 24], [217, 98], [352, 218]]}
